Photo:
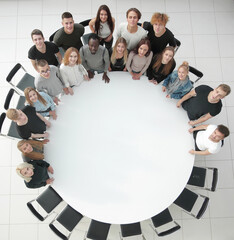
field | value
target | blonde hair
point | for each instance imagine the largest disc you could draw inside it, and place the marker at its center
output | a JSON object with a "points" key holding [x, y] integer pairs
{"points": [[40, 98], [22, 166], [185, 66], [159, 18], [35, 144], [67, 55], [125, 54], [12, 114]]}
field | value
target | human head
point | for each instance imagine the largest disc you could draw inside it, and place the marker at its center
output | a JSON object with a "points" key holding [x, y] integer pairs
{"points": [[219, 133], [120, 47], [167, 54], [38, 38], [103, 13], [43, 68], [24, 170], [133, 16], [24, 146], [15, 115], [144, 47], [93, 43], [159, 21], [225, 88], [68, 22], [32, 95], [67, 55], [219, 93], [183, 70]]}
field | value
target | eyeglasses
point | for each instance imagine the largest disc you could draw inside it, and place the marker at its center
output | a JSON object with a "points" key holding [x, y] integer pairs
{"points": [[44, 72]]}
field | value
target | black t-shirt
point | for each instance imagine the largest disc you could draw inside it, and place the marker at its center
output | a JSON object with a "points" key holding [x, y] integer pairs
{"points": [[40, 174], [49, 55], [34, 124], [119, 65], [198, 106], [159, 43]]}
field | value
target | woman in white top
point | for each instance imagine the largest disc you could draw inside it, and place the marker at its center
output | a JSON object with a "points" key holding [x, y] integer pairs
{"points": [[103, 25], [72, 71]]}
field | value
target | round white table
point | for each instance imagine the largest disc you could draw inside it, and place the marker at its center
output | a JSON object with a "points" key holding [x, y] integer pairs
{"points": [[119, 150]]}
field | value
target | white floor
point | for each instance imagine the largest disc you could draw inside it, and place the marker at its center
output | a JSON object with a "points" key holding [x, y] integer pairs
{"points": [[206, 31]]}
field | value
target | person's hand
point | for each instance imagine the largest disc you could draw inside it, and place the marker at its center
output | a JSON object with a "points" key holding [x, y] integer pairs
{"points": [[192, 151], [108, 38], [178, 104], [191, 130], [154, 82], [91, 74], [168, 96], [136, 76], [86, 77], [70, 90], [46, 135], [56, 100], [192, 123], [53, 114], [49, 181], [45, 141], [109, 69], [163, 88], [66, 91], [48, 123], [105, 77], [125, 69], [50, 170]]}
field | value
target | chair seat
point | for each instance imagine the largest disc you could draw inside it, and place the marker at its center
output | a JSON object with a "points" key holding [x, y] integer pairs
{"points": [[98, 230], [128, 230], [197, 177]]}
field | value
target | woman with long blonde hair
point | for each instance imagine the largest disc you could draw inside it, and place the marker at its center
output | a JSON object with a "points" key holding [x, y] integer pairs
{"points": [[42, 102], [35, 173]]}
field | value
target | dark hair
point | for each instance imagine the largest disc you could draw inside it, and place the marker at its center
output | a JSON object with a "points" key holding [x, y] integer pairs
{"points": [[143, 41], [67, 15], [224, 130], [225, 88], [109, 18], [36, 32], [93, 36], [134, 10], [41, 63]]}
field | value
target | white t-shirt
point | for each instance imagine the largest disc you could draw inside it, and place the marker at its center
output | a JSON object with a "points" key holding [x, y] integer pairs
{"points": [[132, 39], [204, 143]]}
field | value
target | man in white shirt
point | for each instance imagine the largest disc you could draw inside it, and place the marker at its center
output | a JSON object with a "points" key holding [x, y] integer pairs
{"points": [[208, 138]]}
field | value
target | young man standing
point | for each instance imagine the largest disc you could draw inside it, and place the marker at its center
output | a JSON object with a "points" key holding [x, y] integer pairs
{"points": [[71, 33], [49, 80], [203, 102], [95, 57], [43, 50]]}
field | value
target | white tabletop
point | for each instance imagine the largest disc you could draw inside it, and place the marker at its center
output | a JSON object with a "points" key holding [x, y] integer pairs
{"points": [[119, 150]]}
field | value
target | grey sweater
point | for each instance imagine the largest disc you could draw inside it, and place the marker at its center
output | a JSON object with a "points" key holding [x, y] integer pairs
{"points": [[98, 61], [53, 86]]}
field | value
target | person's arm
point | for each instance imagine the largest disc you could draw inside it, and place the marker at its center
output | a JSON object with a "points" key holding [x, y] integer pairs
{"points": [[59, 56], [106, 60], [200, 127], [48, 124], [200, 120], [111, 35], [34, 64], [192, 93], [148, 61], [205, 152], [64, 75], [91, 24], [40, 135], [83, 58], [129, 61]]}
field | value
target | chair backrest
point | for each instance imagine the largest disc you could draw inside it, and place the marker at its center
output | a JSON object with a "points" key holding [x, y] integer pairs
{"points": [[2, 118], [85, 37], [132, 229], [196, 72], [20, 103], [215, 179], [26, 81], [51, 38], [98, 230], [48, 200], [178, 43], [68, 218], [85, 22]]}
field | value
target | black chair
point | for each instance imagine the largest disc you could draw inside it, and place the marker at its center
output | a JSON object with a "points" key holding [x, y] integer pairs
{"points": [[21, 101], [196, 72], [178, 43], [199, 175], [68, 218], [187, 200], [12, 131], [129, 230], [163, 224], [85, 37], [47, 200], [26, 81], [98, 230]]}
